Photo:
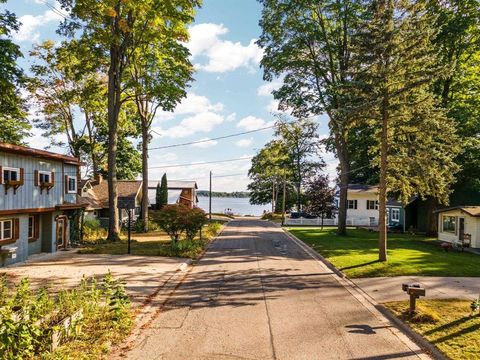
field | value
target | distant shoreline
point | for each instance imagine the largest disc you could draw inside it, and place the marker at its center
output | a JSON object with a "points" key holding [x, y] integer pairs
{"points": [[235, 194]]}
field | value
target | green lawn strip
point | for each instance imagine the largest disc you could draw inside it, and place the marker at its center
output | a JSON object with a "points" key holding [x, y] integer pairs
{"points": [[155, 244], [357, 254], [447, 324]]}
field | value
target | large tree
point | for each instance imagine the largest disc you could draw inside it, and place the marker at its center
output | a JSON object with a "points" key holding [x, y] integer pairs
{"points": [[71, 99], [13, 118], [159, 73], [118, 28], [307, 44], [415, 141], [301, 145]]}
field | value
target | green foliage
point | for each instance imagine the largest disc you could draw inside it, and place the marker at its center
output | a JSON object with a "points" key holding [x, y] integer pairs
{"points": [[161, 196], [292, 156], [28, 319], [212, 229], [179, 219], [92, 230], [13, 114]]}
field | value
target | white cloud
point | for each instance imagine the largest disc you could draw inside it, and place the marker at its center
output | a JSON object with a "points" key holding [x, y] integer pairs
{"points": [[31, 23], [267, 88], [273, 106], [191, 104], [231, 117], [222, 55], [253, 123], [203, 122], [244, 142], [205, 143]]}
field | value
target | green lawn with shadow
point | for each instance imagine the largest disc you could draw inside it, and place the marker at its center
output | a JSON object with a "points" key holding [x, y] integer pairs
{"points": [[357, 254], [447, 324]]}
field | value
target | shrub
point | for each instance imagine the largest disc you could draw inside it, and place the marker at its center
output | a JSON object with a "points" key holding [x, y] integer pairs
{"points": [[92, 229], [179, 219], [28, 319], [212, 229]]}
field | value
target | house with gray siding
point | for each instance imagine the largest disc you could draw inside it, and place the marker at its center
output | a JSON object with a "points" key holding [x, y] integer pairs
{"points": [[38, 201]]}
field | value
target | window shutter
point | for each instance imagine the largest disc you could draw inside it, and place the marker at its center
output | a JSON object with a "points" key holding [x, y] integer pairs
{"points": [[22, 176], [35, 180], [53, 178], [66, 184], [356, 204], [16, 229], [1, 175]]}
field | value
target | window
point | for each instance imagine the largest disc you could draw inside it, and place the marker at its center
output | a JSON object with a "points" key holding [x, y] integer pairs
{"points": [[10, 174], [6, 229], [352, 204], [71, 184], [44, 177], [372, 205], [449, 224], [395, 213]]}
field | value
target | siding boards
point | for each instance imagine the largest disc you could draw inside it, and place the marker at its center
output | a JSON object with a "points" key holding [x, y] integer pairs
{"points": [[28, 196]]}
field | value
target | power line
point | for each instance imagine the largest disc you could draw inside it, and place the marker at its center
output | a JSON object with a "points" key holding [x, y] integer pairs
{"points": [[203, 163], [208, 140]]}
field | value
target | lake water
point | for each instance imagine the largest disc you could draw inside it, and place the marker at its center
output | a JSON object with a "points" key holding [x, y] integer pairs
{"points": [[239, 206]]}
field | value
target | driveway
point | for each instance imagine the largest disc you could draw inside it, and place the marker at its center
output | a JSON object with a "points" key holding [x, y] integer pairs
{"points": [[143, 275], [256, 294], [384, 289]]}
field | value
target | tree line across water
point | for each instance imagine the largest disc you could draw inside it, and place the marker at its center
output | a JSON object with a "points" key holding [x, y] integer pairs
{"points": [[223, 194]]}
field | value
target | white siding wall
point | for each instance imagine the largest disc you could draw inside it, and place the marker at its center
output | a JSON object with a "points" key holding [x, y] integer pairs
{"points": [[28, 196], [472, 226], [361, 212]]}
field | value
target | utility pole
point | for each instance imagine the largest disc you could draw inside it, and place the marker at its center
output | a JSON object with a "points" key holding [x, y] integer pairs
{"points": [[284, 195], [210, 199]]}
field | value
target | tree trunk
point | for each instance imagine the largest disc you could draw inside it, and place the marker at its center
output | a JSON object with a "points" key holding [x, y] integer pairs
{"points": [[382, 196], [145, 140], [431, 223], [341, 149], [114, 90]]}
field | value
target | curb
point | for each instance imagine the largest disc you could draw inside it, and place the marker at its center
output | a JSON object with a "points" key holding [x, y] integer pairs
{"points": [[415, 342]]}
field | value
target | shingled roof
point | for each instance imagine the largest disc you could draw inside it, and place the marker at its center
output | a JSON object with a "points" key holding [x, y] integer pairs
{"points": [[125, 188]]}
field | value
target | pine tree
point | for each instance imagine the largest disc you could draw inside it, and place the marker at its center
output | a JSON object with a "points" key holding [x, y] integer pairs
{"points": [[162, 193], [415, 141]]}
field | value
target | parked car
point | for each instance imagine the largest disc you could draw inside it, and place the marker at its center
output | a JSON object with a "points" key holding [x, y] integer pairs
{"points": [[297, 215]]}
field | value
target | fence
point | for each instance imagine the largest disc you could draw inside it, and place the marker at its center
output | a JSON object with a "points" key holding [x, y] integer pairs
{"points": [[364, 222]]}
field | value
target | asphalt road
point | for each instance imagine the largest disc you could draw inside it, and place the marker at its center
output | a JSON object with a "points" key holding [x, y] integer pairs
{"points": [[257, 295]]}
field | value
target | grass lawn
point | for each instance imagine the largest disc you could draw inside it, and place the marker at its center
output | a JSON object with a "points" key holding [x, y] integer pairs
{"points": [[357, 254], [447, 324], [155, 243]]}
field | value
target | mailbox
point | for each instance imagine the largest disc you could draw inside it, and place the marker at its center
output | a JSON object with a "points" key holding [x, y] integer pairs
{"points": [[406, 286], [414, 291]]}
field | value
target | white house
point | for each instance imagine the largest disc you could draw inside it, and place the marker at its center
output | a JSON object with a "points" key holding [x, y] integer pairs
{"points": [[362, 208], [455, 222]]}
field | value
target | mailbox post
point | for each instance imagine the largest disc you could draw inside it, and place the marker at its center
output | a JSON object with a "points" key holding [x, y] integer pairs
{"points": [[127, 203], [415, 291]]}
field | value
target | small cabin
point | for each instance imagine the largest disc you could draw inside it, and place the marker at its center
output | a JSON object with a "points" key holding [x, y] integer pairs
{"points": [[455, 222]]}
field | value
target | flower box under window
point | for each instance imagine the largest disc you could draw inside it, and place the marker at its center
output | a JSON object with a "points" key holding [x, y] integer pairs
{"points": [[11, 178], [45, 180]]}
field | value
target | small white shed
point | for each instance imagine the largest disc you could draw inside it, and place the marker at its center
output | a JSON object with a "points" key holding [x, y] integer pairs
{"points": [[455, 222]]}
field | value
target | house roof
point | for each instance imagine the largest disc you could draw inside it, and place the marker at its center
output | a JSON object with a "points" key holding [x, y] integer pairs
{"points": [[470, 210], [125, 188], [42, 154], [174, 184], [362, 188]]}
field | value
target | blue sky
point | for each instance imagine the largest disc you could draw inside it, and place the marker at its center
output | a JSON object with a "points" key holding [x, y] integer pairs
{"points": [[228, 95]]}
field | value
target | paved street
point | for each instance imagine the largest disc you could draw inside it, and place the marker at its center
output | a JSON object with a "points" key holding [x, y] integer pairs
{"points": [[257, 295]]}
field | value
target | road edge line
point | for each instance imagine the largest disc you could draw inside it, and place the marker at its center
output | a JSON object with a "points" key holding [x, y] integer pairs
{"points": [[415, 342]]}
